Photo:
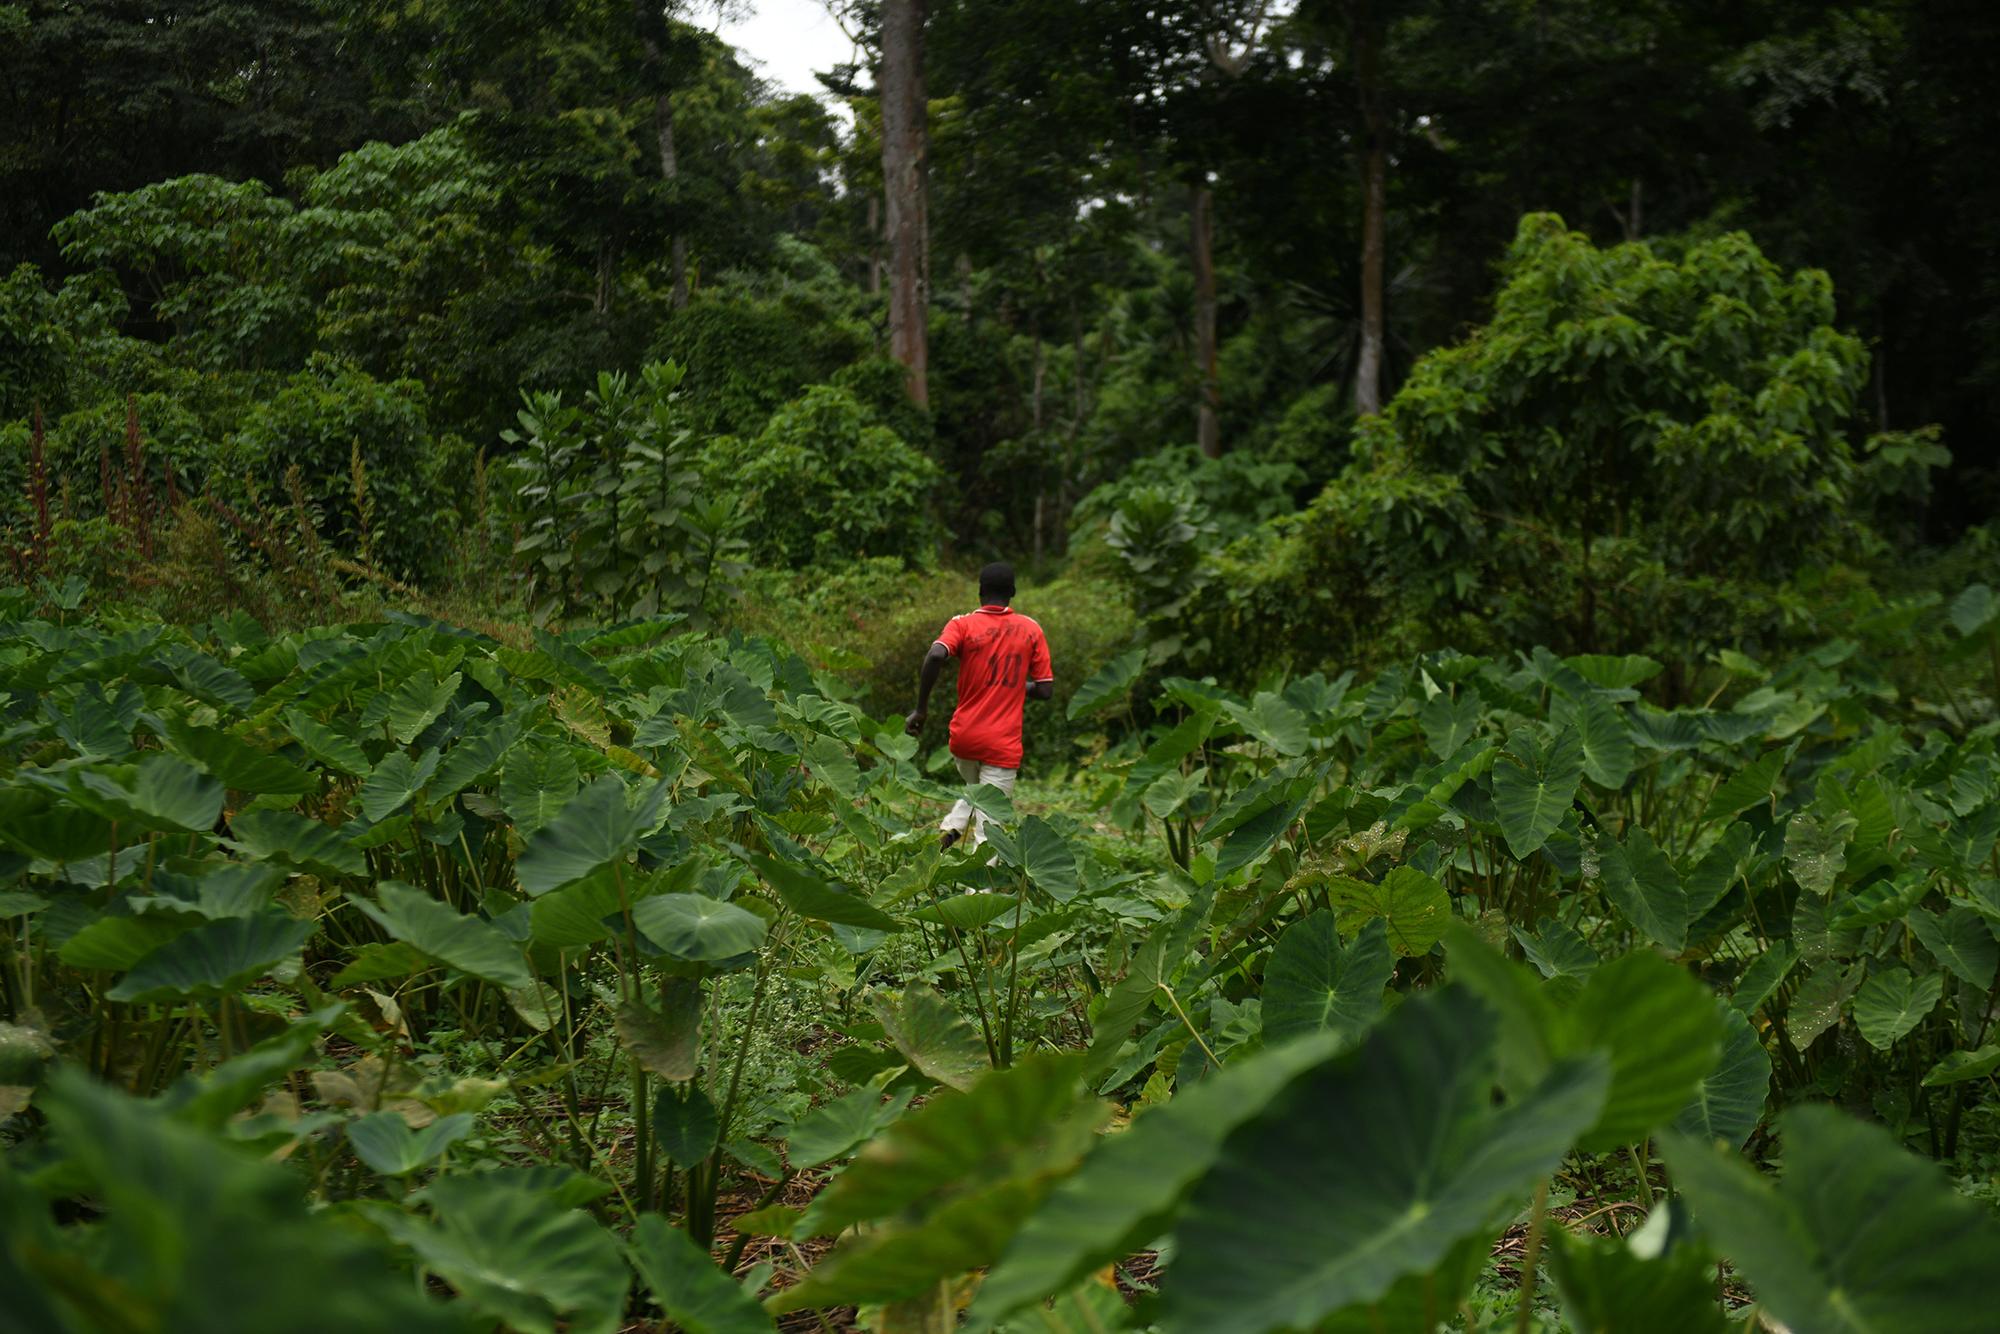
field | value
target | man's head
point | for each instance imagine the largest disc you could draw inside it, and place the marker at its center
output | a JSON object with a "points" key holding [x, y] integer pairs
{"points": [[996, 584]]}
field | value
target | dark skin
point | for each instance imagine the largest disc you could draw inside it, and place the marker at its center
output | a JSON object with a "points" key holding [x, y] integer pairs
{"points": [[934, 661]]}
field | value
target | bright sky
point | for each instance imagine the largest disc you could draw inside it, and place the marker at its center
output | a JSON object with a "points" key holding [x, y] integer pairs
{"points": [[786, 40]]}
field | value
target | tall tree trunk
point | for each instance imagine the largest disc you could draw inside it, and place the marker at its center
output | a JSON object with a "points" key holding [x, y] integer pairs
{"points": [[1374, 207], [874, 245], [1201, 216], [650, 19], [905, 150]]}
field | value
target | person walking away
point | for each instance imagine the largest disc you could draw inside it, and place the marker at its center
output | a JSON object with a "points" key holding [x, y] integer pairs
{"points": [[1003, 661]]}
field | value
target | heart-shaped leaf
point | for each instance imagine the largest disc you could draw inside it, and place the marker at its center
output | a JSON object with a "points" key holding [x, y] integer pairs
{"points": [[1533, 785], [666, 1041], [696, 1295], [835, 1129], [1893, 1001], [161, 792], [290, 839], [1313, 984], [1961, 940], [443, 933], [596, 827], [394, 782], [698, 929], [1857, 1237], [1411, 905], [932, 1035], [686, 1124], [213, 960], [1729, 1100], [1369, 1167], [385, 1142], [516, 1257], [1646, 888], [806, 894]]}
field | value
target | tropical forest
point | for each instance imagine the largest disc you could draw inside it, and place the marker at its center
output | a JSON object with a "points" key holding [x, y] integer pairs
{"points": [[1010, 666]]}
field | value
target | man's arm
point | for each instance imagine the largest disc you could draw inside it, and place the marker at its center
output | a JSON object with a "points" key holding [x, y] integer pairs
{"points": [[1041, 671], [927, 677]]}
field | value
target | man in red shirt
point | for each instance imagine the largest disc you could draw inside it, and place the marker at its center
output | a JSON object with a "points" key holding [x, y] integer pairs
{"points": [[1003, 661]]}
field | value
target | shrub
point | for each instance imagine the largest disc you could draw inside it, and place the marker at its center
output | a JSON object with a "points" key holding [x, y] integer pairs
{"points": [[316, 422], [826, 483], [1234, 493], [748, 356], [1642, 452]]}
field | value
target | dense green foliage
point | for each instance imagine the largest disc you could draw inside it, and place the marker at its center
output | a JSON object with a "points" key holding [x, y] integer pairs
{"points": [[1515, 840], [416, 901]]}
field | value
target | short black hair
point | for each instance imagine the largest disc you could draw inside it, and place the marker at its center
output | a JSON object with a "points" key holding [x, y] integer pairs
{"points": [[996, 582]]}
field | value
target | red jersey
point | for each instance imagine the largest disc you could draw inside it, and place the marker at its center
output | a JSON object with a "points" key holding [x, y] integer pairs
{"points": [[999, 651]]}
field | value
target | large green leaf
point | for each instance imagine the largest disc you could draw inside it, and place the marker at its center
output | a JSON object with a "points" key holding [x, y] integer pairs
{"points": [[394, 782], [117, 943], [686, 1124], [442, 932], [1605, 740], [697, 1296], [1312, 983], [596, 827], [1607, 1287], [1533, 785], [809, 896], [1646, 888], [835, 1129], [1614, 671], [331, 748], [214, 959], [1271, 719], [1109, 683], [931, 1035], [1816, 848], [968, 912], [1412, 906], [385, 1142], [946, 1186], [1127, 1191], [1893, 1001], [1960, 1066], [192, 1235], [1753, 785], [415, 703], [513, 1256], [1858, 1237], [241, 766], [1663, 1032], [1729, 1100], [161, 792], [698, 929], [290, 839], [206, 679], [1766, 973], [575, 915], [666, 1041], [538, 780], [1821, 1001], [473, 757], [1048, 859], [1961, 940], [1368, 1168], [1449, 723]]}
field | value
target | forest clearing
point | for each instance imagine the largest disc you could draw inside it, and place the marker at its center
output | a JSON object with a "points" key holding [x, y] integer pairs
{"points": [[1481, 811]]}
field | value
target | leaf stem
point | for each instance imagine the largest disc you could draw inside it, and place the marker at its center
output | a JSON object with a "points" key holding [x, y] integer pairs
{"points": [[1531, 1257]]}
